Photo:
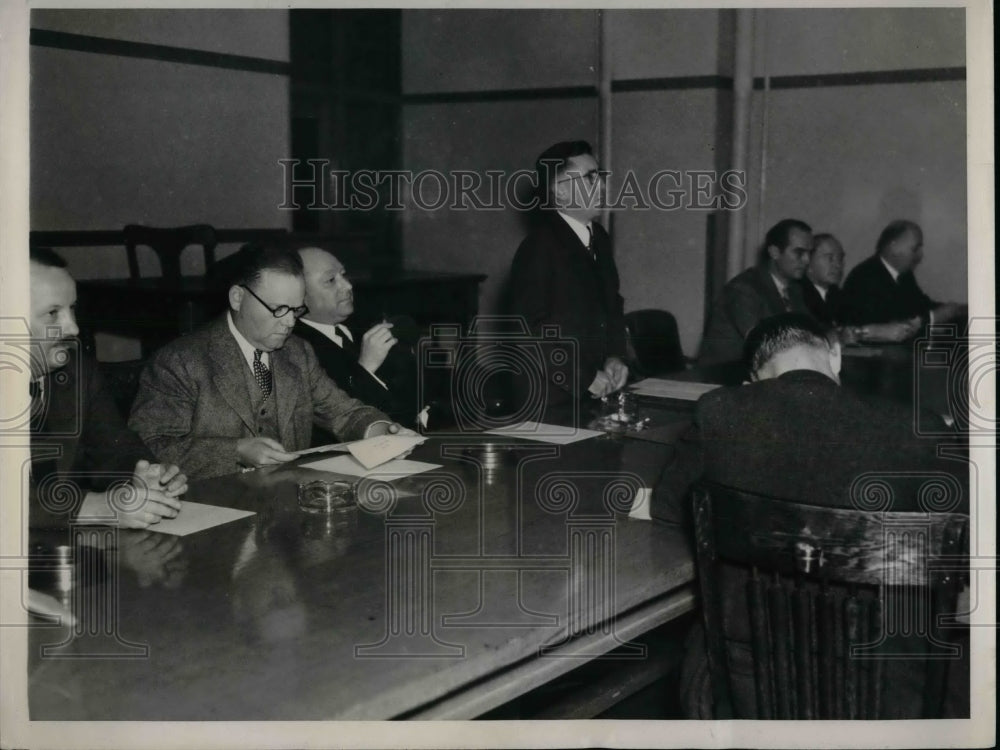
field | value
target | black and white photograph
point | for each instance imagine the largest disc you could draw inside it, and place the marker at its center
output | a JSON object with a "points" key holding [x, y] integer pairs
{"points": [[479, 376]]}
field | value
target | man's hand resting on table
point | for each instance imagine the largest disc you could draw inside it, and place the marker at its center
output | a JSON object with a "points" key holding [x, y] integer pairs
{"points": [[262, 451], [388, 428], [150, 496], [617, 372]]}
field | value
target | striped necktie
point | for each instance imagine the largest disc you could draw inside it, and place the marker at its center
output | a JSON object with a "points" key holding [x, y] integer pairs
{"points": [[262, 374]]}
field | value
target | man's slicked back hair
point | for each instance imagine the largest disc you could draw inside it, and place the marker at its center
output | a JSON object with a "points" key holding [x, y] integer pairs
{"points": [[553, 160], [894, 231], [256, 257], [46, 256], [779, 333], [779, 235]]}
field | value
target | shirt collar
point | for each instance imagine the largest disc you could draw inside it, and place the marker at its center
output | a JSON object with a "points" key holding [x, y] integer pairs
{"points": [[892, 271], [245, 346], [821, 289], [335, 332], [582, 230], [780, 283]]}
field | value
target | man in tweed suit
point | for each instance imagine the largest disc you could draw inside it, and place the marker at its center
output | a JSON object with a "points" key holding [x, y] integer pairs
{"points": [[769, 288], [240, 392]]}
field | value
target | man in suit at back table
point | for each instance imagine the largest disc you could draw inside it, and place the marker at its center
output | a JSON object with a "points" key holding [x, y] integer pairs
{"points": [[241, 392], [820, 285], [80, 446], [881, 294], [564, 274], [769, 288], [377, 370]]}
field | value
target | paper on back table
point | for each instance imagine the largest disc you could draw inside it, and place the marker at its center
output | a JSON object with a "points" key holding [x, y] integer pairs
{"points": [[545, 433], [676, 389]]}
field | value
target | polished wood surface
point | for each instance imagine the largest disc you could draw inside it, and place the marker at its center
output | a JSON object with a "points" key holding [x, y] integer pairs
{"points": [[284, 615]]}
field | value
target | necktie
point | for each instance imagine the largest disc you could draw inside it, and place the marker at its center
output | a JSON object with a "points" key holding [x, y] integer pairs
{"points": [[346, 342], [786, 300], [590, 242], [261, 373]]}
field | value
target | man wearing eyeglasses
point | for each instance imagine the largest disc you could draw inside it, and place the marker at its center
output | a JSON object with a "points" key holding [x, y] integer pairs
{"points": [[241, 392], [564, 274]]}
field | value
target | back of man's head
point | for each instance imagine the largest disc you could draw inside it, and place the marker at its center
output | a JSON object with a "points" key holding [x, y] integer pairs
{"points": [[552, 162], [256, 257], [790, 341]]}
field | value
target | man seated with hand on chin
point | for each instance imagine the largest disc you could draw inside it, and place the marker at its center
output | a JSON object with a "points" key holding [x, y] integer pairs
{"points": [[241, 392], [86, 466]]}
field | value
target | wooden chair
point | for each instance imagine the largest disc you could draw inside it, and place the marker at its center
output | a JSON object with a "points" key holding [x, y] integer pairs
{"points": [[655, 341], [824, 587], [168, 244]]}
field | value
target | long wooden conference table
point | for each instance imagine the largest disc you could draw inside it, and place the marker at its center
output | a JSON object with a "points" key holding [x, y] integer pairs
{"points": [[443, 595]]}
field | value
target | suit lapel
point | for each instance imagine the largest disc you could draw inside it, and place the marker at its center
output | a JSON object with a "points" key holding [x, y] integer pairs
{"points": [[228, 374], [770, 290], [286, 390], [588, 268]]}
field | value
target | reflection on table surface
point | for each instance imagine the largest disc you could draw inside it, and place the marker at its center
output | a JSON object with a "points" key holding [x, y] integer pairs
{"points": [[433, 584], [438, 594]]}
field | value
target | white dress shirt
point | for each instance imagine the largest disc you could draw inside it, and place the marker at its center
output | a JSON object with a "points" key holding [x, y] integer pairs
{"points": [[583, 231], [246, 347]]}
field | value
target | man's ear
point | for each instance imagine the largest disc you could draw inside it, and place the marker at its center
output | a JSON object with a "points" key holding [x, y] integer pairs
{"points": [[773, 252], [836, 357], [235, 297]]}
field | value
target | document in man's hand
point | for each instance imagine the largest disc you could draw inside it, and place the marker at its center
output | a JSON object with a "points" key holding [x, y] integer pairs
{"points": [[323, 449], [677, 389], [377, 450]]}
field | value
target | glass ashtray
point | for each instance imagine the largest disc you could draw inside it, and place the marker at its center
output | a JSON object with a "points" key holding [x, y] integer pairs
{"points": [[322, 496]]}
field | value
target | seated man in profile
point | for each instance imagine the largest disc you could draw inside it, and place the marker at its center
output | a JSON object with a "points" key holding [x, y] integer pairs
{"points": [[80, 447], [769, 288], [379, 372], [881, 295], [795, 434], [241, 392]]}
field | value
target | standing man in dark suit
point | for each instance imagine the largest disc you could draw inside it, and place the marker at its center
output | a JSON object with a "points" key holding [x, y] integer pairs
{"points": [[769, 288], [820, 286], [241, 392], [86, 465], [379, 372], [795, 434], [881, 294], [564, 274]]}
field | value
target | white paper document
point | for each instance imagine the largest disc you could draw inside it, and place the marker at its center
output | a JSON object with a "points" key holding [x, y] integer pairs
{"points": [[545, 433], [323, 449], [395, 469], [677, 389], [196, 517], [377, 450]]}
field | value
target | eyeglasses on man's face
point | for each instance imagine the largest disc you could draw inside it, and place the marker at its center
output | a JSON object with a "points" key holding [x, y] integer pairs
{"points": [[281, 310], [590, 177]]}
